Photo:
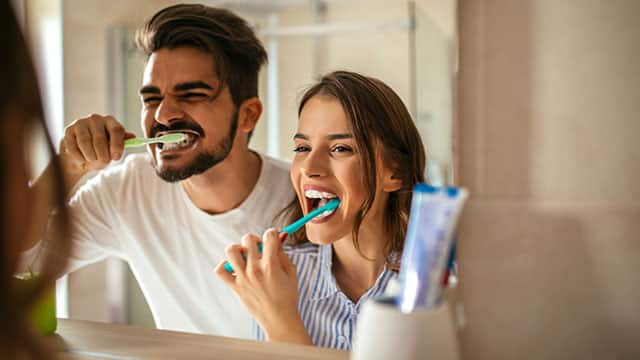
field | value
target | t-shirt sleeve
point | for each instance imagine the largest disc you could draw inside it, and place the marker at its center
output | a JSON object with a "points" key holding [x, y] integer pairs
{"points": [[93, 214], [94, 219]]}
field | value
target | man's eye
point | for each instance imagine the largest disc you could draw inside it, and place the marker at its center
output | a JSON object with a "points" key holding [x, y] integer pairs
{"points": [[194, 96], [299, 149], [150, 100]]}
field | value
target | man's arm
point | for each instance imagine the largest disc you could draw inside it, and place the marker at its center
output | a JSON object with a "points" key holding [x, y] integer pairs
{"points": [[43, 183], [89, 143]]}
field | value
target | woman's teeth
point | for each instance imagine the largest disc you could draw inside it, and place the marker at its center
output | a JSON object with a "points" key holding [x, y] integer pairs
{"points": [[315, 194], [325, 214], [323, 197]]}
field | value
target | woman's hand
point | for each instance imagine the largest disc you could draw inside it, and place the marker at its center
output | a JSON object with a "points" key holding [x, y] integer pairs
{"points": [[266, 284]]}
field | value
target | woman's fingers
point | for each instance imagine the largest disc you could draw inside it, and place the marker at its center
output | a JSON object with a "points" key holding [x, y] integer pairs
{"points": [[250, 243], [286, 263], [249, 263], [223, 274], [234, 255], [270, 246], [274, 255]]}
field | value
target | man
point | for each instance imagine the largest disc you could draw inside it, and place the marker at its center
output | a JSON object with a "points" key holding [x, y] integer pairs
{"points": [[172, 220]]}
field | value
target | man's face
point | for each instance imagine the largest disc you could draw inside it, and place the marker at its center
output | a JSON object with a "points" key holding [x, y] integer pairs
{"points": [[180, 93]]}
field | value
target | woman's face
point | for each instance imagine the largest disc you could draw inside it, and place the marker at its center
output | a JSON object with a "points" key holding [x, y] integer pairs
{"points": [[327, 165]]}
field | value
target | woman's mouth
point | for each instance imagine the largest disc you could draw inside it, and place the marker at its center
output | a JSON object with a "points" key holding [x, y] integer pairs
{"points": [[316, 199], [188, 144]]}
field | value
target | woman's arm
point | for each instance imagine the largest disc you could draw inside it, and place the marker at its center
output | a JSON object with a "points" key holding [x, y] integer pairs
{"points": [[267, 286]]}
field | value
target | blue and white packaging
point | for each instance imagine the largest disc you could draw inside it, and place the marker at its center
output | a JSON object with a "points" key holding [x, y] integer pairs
{"points": [[434, 215]]}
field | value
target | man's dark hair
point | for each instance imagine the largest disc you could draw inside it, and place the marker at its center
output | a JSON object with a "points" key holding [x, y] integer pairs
{"points": [[237, 52]]}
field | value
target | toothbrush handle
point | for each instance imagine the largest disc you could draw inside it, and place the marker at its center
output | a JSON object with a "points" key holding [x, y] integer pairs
{"points": [[134, 142], [292, 228]]}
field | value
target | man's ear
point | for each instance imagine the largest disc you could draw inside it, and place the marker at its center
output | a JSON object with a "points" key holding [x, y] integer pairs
{"points": [[249, 114], [391, 181]]}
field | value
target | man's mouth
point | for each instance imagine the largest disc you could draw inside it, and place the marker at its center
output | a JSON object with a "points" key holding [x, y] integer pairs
{"points": [[189, 143], [316, 199]]}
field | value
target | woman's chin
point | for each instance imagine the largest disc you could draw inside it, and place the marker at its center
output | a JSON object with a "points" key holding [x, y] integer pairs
{"points": [[323, 242], [322, 236]]}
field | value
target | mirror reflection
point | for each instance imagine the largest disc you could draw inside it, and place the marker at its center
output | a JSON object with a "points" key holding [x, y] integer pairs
{"points": [[354, 93]]}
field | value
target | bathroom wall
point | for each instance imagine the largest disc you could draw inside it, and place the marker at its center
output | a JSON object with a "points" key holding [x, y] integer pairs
{"points": [[548, 136]]}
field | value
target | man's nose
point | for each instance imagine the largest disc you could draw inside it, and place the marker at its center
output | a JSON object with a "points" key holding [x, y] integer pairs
{"points": [[168, 111]]}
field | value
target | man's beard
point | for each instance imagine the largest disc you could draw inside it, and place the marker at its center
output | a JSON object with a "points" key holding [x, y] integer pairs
{"points": [[203, 161]]}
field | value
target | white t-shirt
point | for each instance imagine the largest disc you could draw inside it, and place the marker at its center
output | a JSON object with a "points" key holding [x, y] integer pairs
{"points": [[171, 245]]}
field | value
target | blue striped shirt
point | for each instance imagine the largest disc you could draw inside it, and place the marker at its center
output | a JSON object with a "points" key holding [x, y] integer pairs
{"points": [[328, 314]]}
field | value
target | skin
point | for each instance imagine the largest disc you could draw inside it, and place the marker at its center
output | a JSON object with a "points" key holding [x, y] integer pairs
{"points": [[326, 158], [164, 104], [92, 142], [19, 196]]}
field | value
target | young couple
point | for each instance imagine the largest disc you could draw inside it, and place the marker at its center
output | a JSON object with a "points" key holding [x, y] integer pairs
{"points": [[174, 220]]}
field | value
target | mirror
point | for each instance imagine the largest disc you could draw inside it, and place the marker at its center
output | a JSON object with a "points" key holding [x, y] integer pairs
{"points": [[407, 44]]}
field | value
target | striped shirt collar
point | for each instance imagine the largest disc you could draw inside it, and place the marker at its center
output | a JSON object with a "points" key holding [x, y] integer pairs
{"points": [[326, 282]]}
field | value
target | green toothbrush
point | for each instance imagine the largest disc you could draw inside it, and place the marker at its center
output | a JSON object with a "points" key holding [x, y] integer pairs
{"points": [[166, 139]]}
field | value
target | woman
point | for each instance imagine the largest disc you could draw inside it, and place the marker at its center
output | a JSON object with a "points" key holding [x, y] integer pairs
{"points": [[21, 120], [356, 142]]}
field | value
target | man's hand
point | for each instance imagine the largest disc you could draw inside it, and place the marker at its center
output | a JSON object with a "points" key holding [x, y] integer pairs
{"points": [[90, 143]]}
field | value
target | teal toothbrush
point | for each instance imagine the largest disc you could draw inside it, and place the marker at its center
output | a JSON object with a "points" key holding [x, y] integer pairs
{"points": [[166, 139], [295, 226]]}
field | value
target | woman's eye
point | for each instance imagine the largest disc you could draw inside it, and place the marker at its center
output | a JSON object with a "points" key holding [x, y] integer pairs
{"points": [[341, 149], [299, 149]]}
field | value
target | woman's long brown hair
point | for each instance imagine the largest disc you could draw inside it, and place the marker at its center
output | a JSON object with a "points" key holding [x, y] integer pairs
{"points": [[21, 108], [377, 115]]}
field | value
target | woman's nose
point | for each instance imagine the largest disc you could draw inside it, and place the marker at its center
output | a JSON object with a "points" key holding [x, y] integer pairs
{"points": [[314, 166]]}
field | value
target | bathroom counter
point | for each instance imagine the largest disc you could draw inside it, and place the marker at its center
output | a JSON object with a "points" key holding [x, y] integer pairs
{"points": [[76, 339]]}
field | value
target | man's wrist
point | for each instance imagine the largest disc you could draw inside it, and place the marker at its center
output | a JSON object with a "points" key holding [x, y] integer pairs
{"points": [[71, 173]]}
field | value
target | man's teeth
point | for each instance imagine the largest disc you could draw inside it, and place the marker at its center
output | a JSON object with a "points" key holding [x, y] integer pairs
{"points": [[169, 146], [188, 141]]}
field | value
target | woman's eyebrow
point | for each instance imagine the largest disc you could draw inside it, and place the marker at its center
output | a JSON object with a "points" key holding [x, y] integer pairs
{"points": [[329, 137], [340, 136]]}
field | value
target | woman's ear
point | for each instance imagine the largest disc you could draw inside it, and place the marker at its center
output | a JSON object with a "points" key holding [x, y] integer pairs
{"points": [[248, 114], [391, 181]]}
